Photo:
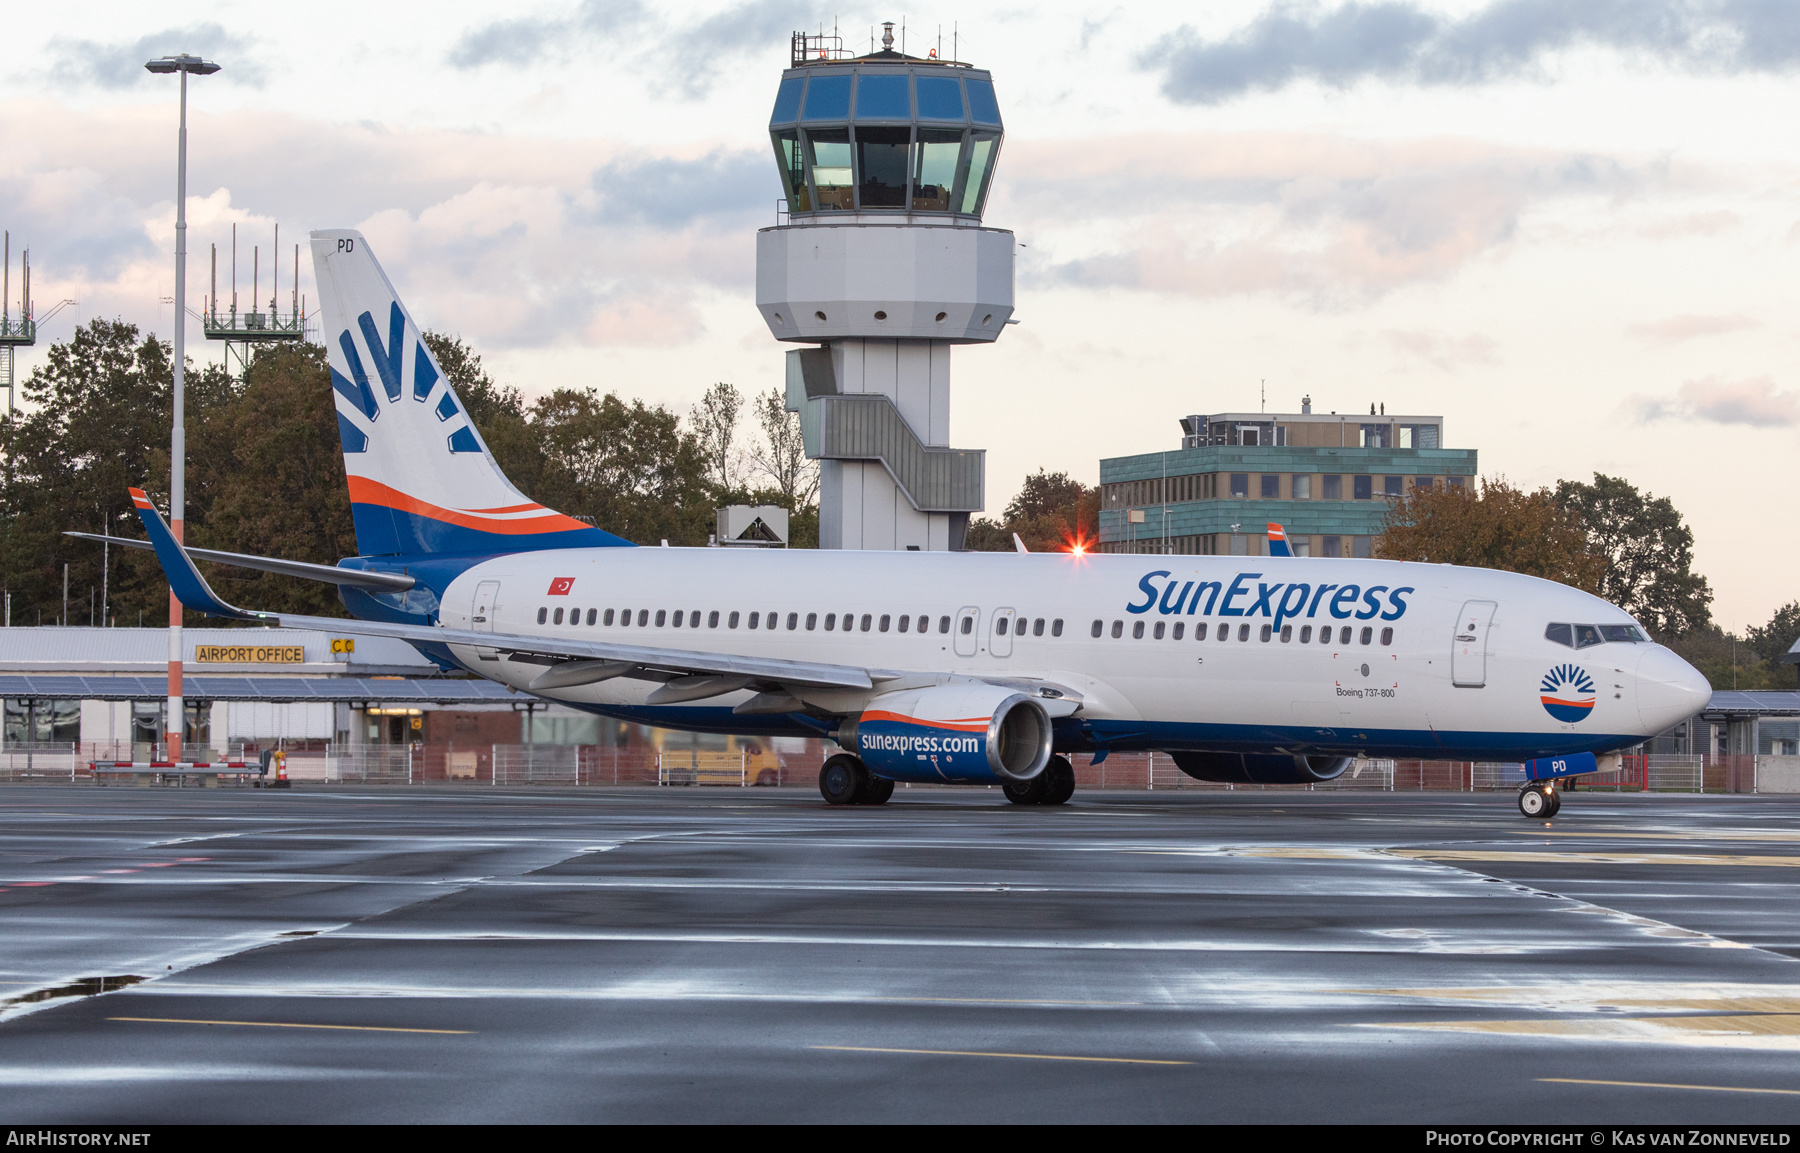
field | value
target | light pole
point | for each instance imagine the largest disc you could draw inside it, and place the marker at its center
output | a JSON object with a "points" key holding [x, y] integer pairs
{"points": [[182, 64]]}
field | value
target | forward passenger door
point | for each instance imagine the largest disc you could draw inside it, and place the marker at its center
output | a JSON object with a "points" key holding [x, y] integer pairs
{"points": [[1468, 653], [482, 613]]}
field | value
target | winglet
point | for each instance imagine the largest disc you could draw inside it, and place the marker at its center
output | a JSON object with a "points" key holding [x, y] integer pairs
{"points": [[1278, 543], [1019, 545], [189, 586]]}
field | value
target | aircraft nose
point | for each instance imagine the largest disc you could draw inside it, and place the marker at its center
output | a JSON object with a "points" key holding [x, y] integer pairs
{"points": [[1669, 690]]}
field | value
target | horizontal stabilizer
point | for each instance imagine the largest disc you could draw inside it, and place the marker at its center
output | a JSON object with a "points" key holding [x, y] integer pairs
{"points": [[189, 587], [330, 574]]}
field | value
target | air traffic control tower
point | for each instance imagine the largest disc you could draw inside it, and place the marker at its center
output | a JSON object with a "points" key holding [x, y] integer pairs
{"points": [[882, 265]]}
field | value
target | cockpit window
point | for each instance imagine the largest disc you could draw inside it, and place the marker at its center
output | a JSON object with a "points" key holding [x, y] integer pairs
{"points": [[1626, 633], [1560, 634], [1586, 635]]}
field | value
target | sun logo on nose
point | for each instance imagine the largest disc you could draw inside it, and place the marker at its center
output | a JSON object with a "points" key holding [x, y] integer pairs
{"points": [[1567, 693]]}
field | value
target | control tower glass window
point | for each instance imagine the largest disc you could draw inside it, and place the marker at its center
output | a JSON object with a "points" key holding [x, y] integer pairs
{"points": [[787, 100], [828, 98], [982, 148], [934, 168], [830, 164], [881, 158], [940, 98], [793, 170], [882, 98], [982, 107]]}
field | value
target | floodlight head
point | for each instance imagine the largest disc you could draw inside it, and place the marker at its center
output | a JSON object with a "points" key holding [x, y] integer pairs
{"points": [[182, 63]]}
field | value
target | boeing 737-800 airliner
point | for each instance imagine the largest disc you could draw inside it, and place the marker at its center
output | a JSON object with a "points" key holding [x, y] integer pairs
{"points": [[977, 668]]}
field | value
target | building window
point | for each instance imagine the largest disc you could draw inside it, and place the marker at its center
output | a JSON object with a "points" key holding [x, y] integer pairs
{"points": [[1391, 485], [1240, 484], [1362, 546], [1302, 546], [1454, 481], [1365, 487], [1422, 482], [1303, 487], [1240, 544], [1334, 487], [1271, 486], [1334, 546]]}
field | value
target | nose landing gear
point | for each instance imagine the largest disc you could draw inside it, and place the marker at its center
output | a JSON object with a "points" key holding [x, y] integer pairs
{"points": [[1539, 800]]}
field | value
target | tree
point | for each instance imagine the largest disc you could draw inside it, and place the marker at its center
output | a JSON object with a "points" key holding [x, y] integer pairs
{"points": [[715, 421], [1499, 527], [781, 457], [1052, 512], [1647, 553], [1773, 640]]}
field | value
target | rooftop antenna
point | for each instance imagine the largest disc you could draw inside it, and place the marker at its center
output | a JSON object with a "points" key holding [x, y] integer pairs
{"points": [[938, 52], [953, 34], [1262, 397], [887, 36], [255, 276], [902, 34], [296, 304], [234, 275], [274, 270]]}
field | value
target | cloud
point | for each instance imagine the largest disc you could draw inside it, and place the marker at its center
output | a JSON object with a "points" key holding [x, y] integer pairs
{"points": [[674, 193], [1755, 402], [1402, 41], [1443, 350], [524, 40], [1321, 216], [120, 64], [1687, 327]]}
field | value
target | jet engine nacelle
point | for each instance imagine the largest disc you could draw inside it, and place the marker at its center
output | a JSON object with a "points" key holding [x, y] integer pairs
{"points": [[1260, 768], [976, 733]]}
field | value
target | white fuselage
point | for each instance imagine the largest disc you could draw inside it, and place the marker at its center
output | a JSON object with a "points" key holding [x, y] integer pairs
{"points": [[1173, 667]]}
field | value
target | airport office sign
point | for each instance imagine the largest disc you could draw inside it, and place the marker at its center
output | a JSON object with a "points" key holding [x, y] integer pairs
{"points": [[264, 654]]}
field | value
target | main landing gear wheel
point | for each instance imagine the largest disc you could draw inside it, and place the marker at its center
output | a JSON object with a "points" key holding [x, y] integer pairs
{"points": [[1062, 781], [876, 790], [1032, 792], [1538, 801], [840, 779]]}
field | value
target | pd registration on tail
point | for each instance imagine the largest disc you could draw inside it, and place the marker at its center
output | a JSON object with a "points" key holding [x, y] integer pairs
{"points": [[960, 668]]}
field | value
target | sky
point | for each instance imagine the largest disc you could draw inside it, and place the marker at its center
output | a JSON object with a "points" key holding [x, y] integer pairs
{"points": [[1569, 227]]}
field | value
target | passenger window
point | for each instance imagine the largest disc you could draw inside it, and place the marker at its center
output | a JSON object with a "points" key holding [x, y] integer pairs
{"points": [[1387, 637], [1179, 629], [731, 621], [1200, 631], [830, 621], [812, 621], [885, 621], [1097, 627], [793, 621], [557, 619], [1344, 635], [1225, 632], [1624, 633], [866, 618], [1159, 630], [1118, 629], [1000, 626], [754, 618], [1243, 632], [543, 615], [943, 624], [1287, 633], [1368, 634], [574, 617], [608, 620], [591, 615], [1306, 634], [1056, 627], [1037, 627], [1586, 635], [1267, 632], [904, 621], [1137, 630], [712, 619], [662, 617], [677, 621], [771, 620], [643, 618]]}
